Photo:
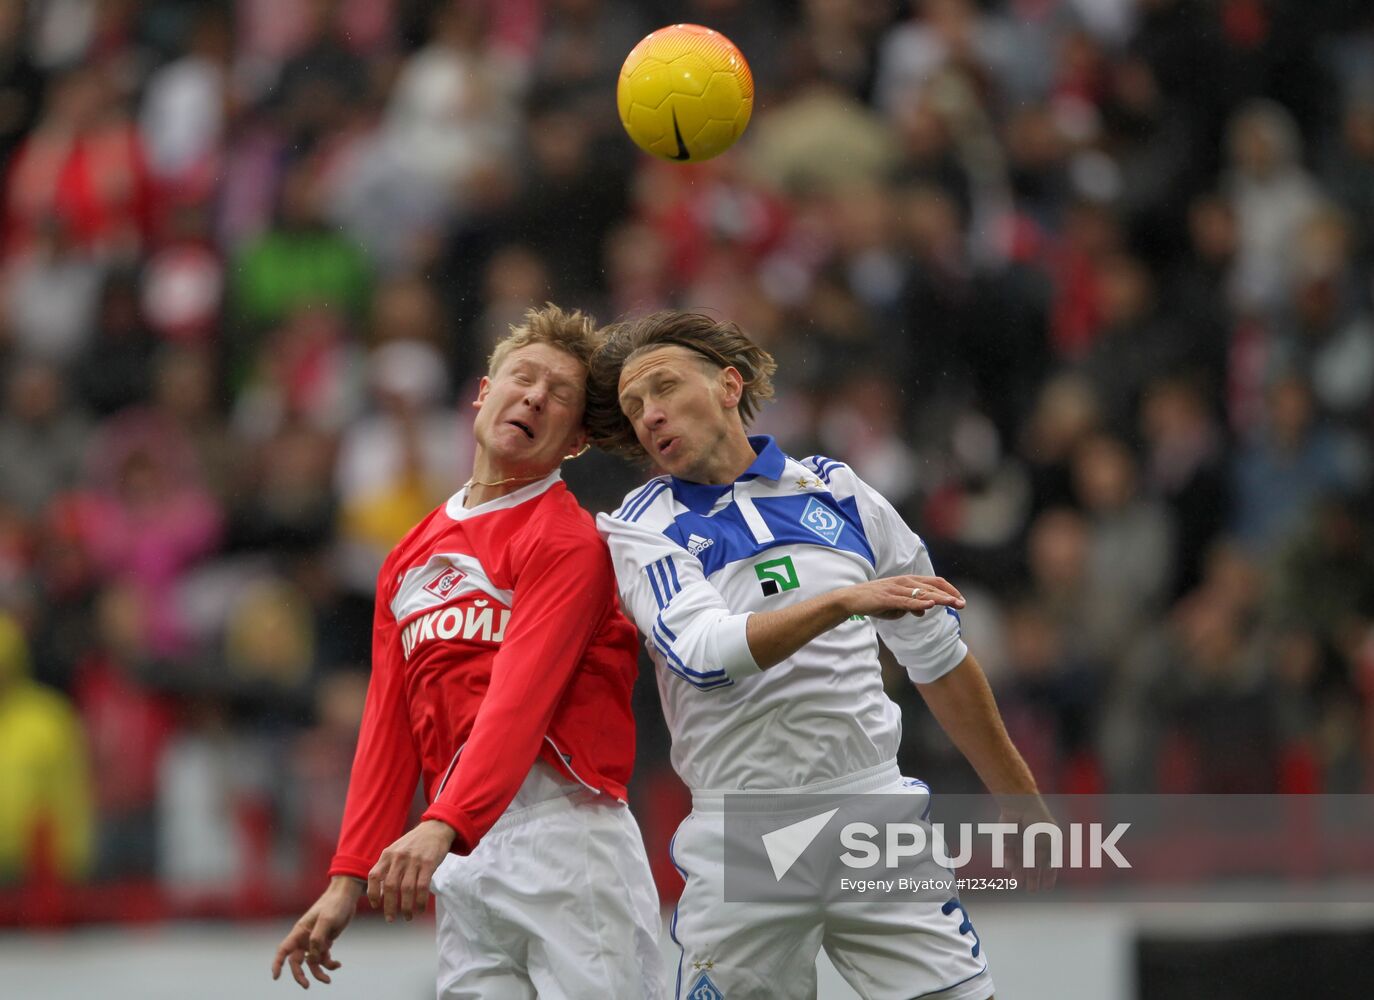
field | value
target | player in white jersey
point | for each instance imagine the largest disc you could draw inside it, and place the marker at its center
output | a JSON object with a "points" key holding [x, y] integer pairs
{"points": [[762, 584]]}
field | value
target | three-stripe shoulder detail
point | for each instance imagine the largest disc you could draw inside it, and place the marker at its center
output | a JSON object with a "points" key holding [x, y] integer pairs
{"points": [[664, 582], [662, 574], [640, 500], [822, 466]]}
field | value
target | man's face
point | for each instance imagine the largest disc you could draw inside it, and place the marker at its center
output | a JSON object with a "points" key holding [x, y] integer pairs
{"points": [[680, 406], [529, 413]]}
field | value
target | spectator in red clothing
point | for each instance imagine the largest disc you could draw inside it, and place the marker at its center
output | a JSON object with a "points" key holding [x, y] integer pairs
{"points": [[319, 765], [83, 165], [128, 725]]}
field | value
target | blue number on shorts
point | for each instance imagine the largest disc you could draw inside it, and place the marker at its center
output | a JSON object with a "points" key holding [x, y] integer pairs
{"points": [[967, 926]]}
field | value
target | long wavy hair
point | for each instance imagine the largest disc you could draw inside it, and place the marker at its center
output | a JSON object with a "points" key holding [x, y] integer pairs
{"points": [[724, 345]]}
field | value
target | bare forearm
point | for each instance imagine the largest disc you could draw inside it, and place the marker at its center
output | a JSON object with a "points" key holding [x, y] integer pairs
{"points": [[962, 703], [773, 636]]}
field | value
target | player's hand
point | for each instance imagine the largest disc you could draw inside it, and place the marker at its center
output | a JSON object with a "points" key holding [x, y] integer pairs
{"points": [[894, 596], [311, 939], [1025, 810], [400, 878]]}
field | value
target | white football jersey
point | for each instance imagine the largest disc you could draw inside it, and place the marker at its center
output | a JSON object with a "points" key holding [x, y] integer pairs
{"points": [[692, 562]]}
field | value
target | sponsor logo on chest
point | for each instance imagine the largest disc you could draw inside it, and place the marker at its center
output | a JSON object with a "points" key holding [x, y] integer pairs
{"points": [[481, 620], [449, 598], [776, 576]]}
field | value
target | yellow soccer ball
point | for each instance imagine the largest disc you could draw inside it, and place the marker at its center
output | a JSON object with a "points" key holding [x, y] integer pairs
{"points": [[685, 93]]}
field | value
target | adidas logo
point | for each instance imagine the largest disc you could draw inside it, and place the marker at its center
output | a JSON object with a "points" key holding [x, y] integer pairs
{"points": [[696, 545]]}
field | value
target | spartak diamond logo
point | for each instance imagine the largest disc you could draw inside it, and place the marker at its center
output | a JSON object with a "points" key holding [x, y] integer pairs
{"points": [[442, 585]]}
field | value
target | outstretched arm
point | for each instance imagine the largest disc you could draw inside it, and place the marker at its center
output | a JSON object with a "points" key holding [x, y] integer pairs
{"points": [[962, 703], [773, 636], [385, 770], [680, 612]]}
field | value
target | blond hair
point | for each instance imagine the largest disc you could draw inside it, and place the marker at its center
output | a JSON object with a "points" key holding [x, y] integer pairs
{"points": [[571, 331], [724, 345]]}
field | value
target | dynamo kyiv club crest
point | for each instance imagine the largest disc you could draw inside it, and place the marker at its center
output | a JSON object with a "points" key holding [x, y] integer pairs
{"points": [[821, 520], [704, 989]]}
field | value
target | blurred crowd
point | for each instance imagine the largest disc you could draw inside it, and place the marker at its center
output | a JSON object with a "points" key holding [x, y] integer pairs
{"points": [[1085, 287]]}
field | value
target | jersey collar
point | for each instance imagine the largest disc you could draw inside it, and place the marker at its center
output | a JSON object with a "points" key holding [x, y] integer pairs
{"points": [[457, 512], [768, 463]]}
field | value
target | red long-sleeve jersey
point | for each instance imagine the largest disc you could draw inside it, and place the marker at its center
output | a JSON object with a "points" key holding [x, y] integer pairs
{"points": [[497, 640]]}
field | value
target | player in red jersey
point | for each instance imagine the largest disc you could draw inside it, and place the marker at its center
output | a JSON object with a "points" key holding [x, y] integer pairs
{"points": [[501, 677]]}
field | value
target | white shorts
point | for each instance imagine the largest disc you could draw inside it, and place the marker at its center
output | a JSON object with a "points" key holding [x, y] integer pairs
{"points": [[555, 902], [753, 951]]}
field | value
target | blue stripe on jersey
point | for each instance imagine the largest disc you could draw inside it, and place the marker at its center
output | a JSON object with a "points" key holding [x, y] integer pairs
{"points": [[705, 676], [632, 498], [672, 927], [663, 579], [662, 626], [658, 594], [705, 680], [635, 509], [733, 541], [823, 466], [667, 576]]}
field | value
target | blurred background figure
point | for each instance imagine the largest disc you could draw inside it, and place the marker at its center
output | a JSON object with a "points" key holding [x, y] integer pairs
{"points": [[46, 811], [400, 462], [43, 436], [1273, 197]]}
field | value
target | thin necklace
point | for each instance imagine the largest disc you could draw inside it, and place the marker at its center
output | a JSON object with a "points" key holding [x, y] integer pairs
{"points": [[502, 482]]}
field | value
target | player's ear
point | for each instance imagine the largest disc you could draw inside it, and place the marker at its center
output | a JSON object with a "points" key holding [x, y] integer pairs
{"points": [[731, 386], [482, 388], [578, 444]]}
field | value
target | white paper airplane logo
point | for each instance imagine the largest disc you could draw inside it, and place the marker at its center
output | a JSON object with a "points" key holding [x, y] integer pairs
{"points": [[785, 846]]}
